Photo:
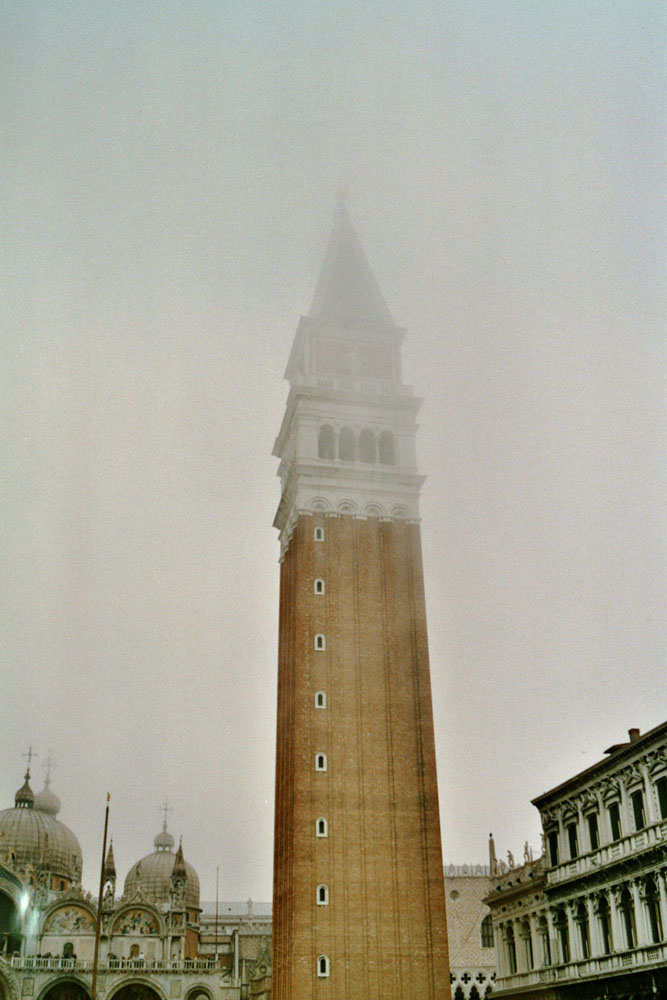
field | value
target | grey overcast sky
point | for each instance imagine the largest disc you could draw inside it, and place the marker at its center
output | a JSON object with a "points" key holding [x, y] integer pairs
{"points": [[168, 180]]}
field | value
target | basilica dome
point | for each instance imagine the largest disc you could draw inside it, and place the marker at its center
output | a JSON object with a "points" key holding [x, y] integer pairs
{"points": [[153, 874], [32, 837], [46, 801]]}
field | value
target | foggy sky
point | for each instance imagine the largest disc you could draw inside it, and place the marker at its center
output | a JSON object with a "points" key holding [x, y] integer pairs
{"points": [[168, 182]]}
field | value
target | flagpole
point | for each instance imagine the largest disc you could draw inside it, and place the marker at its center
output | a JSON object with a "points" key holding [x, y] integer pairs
{"points": [[98, 921], [217, 873]]}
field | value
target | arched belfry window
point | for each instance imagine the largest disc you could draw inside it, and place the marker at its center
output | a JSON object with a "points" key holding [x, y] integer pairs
{"points": [[325, 448], [320, 700], [320, 762], [319, 587], [346, 444], [320, 642], [321, 827], [319, 534], [367, 446], [322, 895], [387, 448], [322, 966], [487, 932]]}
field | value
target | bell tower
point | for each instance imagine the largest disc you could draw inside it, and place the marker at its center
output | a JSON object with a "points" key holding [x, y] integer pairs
{"points": [[358, 909]]}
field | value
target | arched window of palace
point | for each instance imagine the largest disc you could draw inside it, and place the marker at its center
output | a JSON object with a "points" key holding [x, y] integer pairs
{"points": [[615, 821], [628, 918], [661, 789], [527, 939], [510, 948], [581, 918], [325, 447], [604, 918], [639, 814], [543, 931], [560, 921], [322, 966], [652, 901], [487, 931], [572, 840]]}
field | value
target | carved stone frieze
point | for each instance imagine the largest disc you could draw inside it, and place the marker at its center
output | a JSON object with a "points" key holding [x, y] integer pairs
{"points": [[611, 788]]}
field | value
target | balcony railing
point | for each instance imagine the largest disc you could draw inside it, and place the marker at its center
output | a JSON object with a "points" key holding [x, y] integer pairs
{"points": [[632, 843], [55, 964], [649, 956]]}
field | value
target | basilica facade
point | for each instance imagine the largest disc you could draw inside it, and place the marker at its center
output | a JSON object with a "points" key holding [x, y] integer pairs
{"points": [[154, 941]]}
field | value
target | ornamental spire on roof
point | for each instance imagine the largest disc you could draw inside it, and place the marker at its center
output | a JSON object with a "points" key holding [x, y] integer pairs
{"points": [[347, 291], [110, 864], [24, 798], [179, 863]]}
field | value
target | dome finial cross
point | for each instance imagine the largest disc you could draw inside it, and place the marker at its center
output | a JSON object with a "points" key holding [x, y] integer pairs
{"points": [[30, 754], [165, 809], [48, 765]]}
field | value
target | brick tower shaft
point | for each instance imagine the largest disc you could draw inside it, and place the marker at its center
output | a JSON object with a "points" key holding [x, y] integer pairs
{"points": [[359, 907]]}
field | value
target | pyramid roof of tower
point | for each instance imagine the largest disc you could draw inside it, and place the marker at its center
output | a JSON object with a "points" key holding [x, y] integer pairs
{"points": [[347, 291]]}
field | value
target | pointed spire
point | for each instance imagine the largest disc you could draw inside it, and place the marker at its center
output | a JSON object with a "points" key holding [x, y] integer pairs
{"points": [[24, 798], [347, 291], [179, 863], [493, 862], [110, 864]]}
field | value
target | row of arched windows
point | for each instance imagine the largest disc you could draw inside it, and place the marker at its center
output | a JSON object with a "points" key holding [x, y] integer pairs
{"points": [[346, 446], [599, 829], [627, 927]]}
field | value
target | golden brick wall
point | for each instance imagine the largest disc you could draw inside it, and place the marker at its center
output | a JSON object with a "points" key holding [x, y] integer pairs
{"points": [[384, 928]]}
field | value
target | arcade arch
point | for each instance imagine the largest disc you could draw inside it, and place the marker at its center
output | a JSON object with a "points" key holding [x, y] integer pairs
{"points": [[65, 989], [10, 936]]}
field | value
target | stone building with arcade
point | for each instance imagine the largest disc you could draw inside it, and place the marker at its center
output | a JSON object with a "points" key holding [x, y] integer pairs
{"points": [[587, 920]]}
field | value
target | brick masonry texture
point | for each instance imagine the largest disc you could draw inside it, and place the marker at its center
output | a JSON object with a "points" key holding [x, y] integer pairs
{"points": [[384, 928]]}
